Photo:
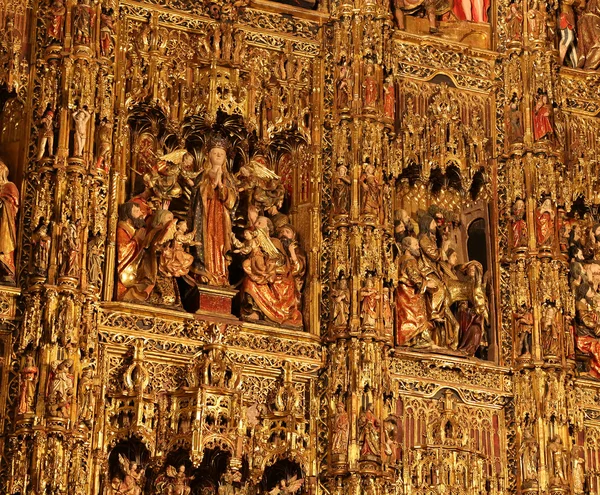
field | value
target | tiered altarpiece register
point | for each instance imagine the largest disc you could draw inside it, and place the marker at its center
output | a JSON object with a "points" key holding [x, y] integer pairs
{"points": [[314, 248]]}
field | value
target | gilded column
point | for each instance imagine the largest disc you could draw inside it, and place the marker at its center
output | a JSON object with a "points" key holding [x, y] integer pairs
{"points": [[63, 244], [359, 455], [540, 305]]}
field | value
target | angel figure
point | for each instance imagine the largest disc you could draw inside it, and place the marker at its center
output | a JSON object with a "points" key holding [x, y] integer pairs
{"points": [[174, 260], [163, 179], [287, 486], [260, 184], [259, 249], [179, 483], [133, 477]]}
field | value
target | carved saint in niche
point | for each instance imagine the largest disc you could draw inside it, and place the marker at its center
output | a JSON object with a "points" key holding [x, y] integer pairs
{"points": [[514, 22], [341, 190], [370, 187], [558, 465], [368, 434], [341, 431], [529, 453], [55, 20], [519, 225], [544, 224], [340, 296], [542, 115], [29, 375], [370, 87]]}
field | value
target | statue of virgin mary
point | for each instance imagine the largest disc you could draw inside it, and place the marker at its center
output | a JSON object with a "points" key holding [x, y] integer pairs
{"points": [[213, 202]]}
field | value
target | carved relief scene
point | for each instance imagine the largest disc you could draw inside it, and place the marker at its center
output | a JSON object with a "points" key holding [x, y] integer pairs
{"points": [[212, 218], [443, 286]]}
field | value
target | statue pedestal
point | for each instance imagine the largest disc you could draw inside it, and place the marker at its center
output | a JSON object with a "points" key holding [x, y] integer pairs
{"points": [[215, 299]]}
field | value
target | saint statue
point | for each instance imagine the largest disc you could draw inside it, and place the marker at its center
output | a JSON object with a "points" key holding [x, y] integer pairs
{"points": [[9, 206], [29, 375], [529, 453], [519, 225], [212, 208], [371, 89], [544, 223], [542, 114], [341, 430], [558, 465], [341, 190], [368, 434]]}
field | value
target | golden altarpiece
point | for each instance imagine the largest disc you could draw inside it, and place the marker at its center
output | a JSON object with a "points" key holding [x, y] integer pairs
{"points": [[317, 248]]}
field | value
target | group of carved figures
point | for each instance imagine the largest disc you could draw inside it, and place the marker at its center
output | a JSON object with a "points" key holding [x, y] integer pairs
{"points": [[558, 463], [155, 247], [578, 24], [439, 303]]}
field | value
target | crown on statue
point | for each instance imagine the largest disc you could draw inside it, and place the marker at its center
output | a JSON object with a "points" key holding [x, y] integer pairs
{"points": [[218, 141]]}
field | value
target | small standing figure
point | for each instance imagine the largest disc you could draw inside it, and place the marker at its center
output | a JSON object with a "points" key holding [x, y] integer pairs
{"points": [[514, 22], [558, 471], [341, 431], [179, 483], [81, 117], [529, 453], [550, 334], [524, 327], [515, 120], [370, 191], [536, 19], [105, 144], [340, 296], [389, 98], [69, 254], [46, 134], [519, 225], [41, 242], [341, 190], [370, 87], [95, 257], [29, 375], [544, 224], [107, 29], [578, 459], [85, 396], [343, 88], [368, 305], [55, 20], [83, 17], [368, 434], [9, 207], [542, 125]]}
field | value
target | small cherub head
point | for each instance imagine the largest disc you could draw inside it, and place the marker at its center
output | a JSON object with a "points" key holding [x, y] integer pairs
{"points": [[248, 234], [182, 226]]}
